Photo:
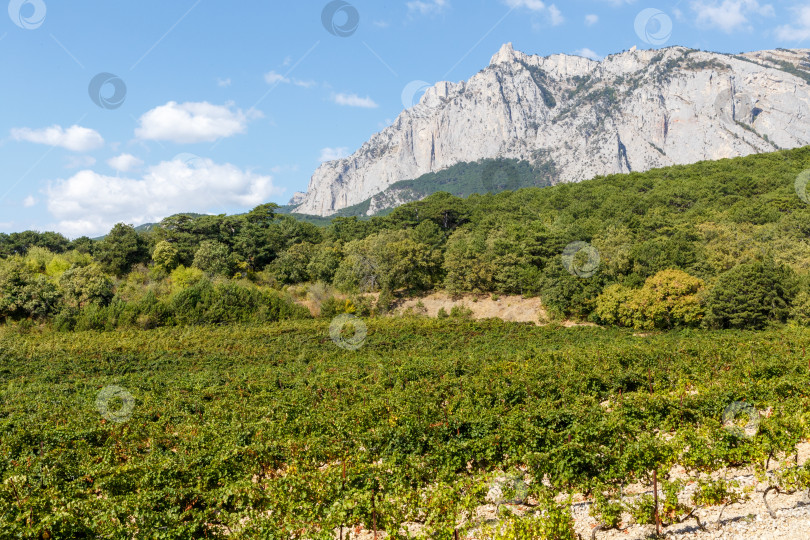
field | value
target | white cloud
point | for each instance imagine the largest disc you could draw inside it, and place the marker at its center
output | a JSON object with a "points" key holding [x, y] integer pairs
{"points": [[427, 7], [75, 138], [555, 16], [192, 122], [353, 100], [304, 84], [223, 83], [587, 53], [381, 24], [729, 15], [591, 19], [275, 78], [799, 30], [29, 201], [124, 162], [90, 203], [331, 154]]}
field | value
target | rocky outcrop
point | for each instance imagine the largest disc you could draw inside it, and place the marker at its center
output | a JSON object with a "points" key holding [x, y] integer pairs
{"points": [[629, 112]]}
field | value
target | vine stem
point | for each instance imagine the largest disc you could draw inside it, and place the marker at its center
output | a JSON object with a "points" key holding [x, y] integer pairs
{"points": [[655, 492], [765, 499]]}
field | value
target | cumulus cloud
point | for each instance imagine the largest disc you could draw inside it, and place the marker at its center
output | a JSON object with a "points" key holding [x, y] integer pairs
{"points": [[90, 203], [186, 123], [799, 30], [353, 100], [591, 19], [427, 7], [331, 154], [550, 10], [74, 138], [29, 201], [124, 162], [729, 15]]}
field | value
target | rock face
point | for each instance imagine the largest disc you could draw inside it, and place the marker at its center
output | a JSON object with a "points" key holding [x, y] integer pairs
{"points": [[629, 112]]}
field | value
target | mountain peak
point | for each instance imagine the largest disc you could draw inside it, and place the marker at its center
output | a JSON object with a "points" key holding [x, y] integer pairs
{"points": [[506, 54], [577, 118]]}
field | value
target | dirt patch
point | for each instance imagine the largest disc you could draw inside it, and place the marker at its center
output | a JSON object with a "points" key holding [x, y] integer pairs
{"points": [[507, 308]]}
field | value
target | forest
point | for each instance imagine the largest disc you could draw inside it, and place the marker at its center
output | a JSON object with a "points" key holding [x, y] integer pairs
{"points": [[720, 244]]}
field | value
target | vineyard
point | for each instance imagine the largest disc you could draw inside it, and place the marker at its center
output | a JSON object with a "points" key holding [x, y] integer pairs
{"points": [[274, 431]]}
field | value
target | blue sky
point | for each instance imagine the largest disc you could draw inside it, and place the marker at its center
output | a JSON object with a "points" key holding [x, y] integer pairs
{"points": [[214, 106]]}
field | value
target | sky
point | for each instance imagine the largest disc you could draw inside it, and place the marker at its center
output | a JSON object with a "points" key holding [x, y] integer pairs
{"points": [[134, 111]]}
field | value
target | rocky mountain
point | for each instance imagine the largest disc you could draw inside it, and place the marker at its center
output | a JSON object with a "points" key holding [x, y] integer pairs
{"points": [[581, 118]]}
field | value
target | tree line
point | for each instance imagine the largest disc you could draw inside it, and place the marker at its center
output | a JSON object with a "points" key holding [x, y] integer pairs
{"points": [[717, 244]]}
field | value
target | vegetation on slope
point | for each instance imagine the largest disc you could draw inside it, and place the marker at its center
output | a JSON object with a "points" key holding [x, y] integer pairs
{"points": [[720, 244]]}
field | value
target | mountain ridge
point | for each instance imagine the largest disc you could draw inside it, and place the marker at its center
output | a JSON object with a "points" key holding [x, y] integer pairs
{"points": [[632, 111]]}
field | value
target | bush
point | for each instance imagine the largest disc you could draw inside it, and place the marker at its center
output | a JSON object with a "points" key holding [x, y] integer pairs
{"points": [[182, 277], [668, 299], [801, 308], [751, 295], [86, 285], [332, 307], [24, 294], [225, 302]]}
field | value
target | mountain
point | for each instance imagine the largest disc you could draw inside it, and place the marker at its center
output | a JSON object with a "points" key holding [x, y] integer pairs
{"points": [[578, 118]]}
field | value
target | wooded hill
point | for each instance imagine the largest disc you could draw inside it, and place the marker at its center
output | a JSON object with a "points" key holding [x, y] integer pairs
{"points": [[721, 244]]}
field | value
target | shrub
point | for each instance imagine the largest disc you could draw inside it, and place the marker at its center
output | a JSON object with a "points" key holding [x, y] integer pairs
{"points": [[332, 307], [751, 295], [24, 294], [86, 285], [182, 277], [227, 301], [668, 299]]}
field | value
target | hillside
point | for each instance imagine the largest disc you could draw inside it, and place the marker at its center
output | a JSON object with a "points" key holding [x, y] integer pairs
{"points": [[717, 244]]}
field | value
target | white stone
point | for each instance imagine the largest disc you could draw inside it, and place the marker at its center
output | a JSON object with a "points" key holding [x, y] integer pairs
{"points": [[661, 116]]}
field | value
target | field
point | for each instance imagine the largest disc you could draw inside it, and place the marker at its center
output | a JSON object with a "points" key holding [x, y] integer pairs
{"points": [[274, 431]]}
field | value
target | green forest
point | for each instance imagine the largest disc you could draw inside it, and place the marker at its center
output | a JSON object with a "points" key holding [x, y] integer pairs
{"points": [[720, 244]]}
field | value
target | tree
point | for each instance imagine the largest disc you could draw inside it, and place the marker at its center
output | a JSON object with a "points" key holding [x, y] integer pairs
{"points": [[324, 261], [292, 265], [121, 249], [180, 232], [613, 305], [388, 261], [24, 293], [83, 285], [83, 244], [166, 256], [467, 265], [214, 258], [751, 295]]}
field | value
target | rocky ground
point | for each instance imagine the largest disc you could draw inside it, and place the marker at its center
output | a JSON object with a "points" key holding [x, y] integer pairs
{"points": [[748, 519]]}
